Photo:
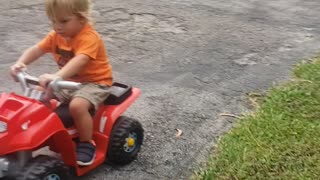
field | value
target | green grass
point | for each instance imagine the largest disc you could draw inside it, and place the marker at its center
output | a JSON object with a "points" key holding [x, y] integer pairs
{"points": [[281, 140]]}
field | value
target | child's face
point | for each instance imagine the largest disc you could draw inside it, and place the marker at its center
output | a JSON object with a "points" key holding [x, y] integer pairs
{"points": [[67, 25]]}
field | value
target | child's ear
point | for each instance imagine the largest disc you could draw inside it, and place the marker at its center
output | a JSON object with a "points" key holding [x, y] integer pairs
{"points": [[83, 20]]}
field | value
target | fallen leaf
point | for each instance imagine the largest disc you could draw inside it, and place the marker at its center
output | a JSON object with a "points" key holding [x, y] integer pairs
{"points": [[230, 115], [179, 132]]}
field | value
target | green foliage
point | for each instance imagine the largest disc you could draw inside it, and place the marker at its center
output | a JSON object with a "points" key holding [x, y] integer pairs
{"points": [[280, 141]]}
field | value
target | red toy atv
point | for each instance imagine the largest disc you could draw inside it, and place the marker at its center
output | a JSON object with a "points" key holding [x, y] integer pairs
{"points": [[34, 121]]}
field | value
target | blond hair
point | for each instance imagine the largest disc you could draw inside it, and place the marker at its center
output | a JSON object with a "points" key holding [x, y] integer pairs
{"points": [[80, 8]]}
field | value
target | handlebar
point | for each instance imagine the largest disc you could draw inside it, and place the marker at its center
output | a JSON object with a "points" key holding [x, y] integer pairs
{"points": [[25, 79], [54, 86]]}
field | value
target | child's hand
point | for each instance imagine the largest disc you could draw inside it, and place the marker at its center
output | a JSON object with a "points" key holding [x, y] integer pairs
{"points": [[14, 69], [44, 79]]}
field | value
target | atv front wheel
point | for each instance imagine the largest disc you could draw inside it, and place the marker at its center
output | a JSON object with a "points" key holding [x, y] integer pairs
{"points": [[44, 168], [125, 142]]}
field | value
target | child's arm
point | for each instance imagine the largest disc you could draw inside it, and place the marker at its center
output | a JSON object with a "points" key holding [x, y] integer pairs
{"points": [[73, 66], [70, 69], [29, 56]]}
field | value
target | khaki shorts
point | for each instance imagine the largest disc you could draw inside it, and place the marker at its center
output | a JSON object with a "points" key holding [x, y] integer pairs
{"points": [[94, 93]]}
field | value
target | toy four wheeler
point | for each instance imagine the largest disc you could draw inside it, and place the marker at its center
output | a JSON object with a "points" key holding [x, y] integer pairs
{"points": [[31, 122]]}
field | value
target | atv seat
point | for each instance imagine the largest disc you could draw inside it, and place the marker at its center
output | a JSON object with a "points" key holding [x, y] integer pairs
{"points": [[119, 93]]}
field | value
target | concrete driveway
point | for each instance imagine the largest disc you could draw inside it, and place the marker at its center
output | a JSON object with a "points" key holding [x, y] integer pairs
{"points": [[191, 59]]}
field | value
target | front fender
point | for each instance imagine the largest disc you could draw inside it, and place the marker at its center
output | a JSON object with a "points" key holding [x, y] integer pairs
{"points": [[32, 137]]}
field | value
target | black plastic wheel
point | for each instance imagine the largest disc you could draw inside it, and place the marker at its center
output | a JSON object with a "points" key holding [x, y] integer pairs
{"points": [[125, 142], [44, 168]]}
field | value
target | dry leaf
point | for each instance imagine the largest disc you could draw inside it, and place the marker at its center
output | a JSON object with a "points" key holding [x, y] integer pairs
{"points": [[230, 115], [179, 132]]}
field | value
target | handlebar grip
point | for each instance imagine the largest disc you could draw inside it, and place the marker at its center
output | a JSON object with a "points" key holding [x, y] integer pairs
{"points": [[68, 85], [59, 84]]}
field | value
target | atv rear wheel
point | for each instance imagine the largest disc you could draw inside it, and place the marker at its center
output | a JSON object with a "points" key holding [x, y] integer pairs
{"points": [[125, 142], [44, 168]]}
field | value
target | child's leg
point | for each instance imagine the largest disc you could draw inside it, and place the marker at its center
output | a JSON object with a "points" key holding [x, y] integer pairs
{"points": [[79, 110], [89, 96]]}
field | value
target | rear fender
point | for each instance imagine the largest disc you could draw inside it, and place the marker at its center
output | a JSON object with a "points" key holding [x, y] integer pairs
{"points": [[107, 115]]}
